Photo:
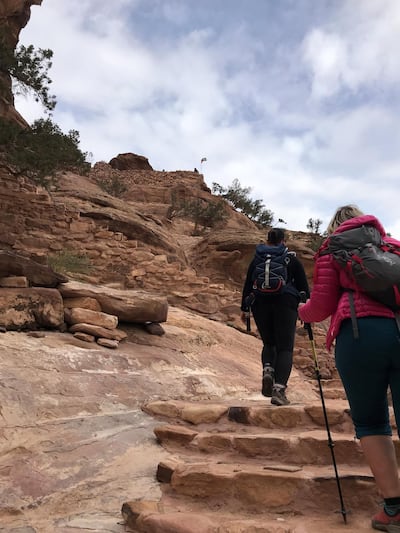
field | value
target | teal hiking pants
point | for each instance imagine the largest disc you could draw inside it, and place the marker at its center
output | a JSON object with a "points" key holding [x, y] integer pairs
{"points": [[368, 366]]}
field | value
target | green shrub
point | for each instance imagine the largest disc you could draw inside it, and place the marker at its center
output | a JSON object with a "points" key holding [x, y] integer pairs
{"points": [[238, 197], [28, 69], [204, 214], [68, 261], [315, 237], [41, 151], [113, 186]]}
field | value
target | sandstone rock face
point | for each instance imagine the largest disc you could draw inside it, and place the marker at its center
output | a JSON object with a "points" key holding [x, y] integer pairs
{"points": [[29, 308], [78, 419], [130, 161], [131, 243], [14, 15]]}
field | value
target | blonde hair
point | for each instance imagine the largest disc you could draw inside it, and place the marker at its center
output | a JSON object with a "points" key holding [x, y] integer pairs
{"points": [[342, 214]]}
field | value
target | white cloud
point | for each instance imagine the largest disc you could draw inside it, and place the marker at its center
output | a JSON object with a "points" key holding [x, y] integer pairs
{"points": [[302, 110], [356, 50], [326, 55]]}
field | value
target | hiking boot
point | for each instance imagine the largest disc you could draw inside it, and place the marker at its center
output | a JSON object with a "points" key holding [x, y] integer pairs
{"points": [[279, 396], [384, 522], [267, 381]]}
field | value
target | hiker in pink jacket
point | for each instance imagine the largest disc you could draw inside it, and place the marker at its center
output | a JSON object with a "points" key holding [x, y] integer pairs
{"points": [[368, 363]]}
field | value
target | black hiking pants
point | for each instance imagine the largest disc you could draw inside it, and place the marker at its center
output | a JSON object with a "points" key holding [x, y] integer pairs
{"points": [[275, 318]]}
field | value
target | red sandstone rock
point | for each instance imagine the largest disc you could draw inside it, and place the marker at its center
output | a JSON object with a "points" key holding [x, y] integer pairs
{"points": [[130, 161]]}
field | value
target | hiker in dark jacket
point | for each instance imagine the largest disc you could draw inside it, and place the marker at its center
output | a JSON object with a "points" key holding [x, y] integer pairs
{"points": [[368, 363], [275, 316]]}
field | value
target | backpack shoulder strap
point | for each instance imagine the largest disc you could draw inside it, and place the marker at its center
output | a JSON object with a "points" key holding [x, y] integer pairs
{"points": [[323, 249]]}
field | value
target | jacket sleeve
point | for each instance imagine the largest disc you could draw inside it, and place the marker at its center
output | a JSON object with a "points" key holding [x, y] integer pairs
{"points": [[299, 277], [325, 294], [247, 287]]}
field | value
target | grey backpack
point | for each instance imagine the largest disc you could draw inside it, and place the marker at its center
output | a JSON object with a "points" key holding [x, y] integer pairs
{"points": [[374, 265]]}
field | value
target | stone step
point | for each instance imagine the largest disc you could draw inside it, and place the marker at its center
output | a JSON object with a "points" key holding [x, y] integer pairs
{"points": [[294, 416], [254, 413], [305, 447], [332, 389], [334, 383], [154, 517], [334, 394], [258, 414], [255, 486]]}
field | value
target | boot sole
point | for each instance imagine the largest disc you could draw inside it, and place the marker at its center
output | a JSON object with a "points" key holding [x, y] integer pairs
{"points": [[278, 401], [267, 384], [391, 528]]}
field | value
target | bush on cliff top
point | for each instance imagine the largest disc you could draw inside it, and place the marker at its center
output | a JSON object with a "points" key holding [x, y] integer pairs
{"points": [[41, 151]]}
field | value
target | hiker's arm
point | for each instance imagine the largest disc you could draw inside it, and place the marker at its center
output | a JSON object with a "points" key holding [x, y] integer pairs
{"points": [[247, 288], [300, 278], [325, 293]]}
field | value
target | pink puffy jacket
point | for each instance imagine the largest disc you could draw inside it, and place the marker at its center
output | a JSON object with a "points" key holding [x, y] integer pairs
{"points": [[329, 280]]}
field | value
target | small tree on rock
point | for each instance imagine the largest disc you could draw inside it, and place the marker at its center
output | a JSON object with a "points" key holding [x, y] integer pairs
{"points": [[315, 239], [42, 150], [239, 198], [28, 69]]}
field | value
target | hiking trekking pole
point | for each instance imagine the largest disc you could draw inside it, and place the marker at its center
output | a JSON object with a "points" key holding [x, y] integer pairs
{"points": [[248, 323], [331, 444], [249, 302]]}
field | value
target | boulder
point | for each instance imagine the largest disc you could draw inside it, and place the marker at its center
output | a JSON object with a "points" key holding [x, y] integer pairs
{"points": [[30, 308], [98, 331], [128, 305], [14, 282], [83, 303], [78, 315], [130, 161]]}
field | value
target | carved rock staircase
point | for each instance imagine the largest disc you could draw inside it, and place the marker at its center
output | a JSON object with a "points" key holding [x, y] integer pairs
{"points": [[250, 467]]}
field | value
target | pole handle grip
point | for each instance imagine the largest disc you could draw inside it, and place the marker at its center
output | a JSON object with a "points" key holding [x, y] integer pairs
{"points": [[307, 326]]}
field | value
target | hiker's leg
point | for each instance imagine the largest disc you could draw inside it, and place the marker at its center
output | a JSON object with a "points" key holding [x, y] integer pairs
{"points": [[380, 454], [268, 355], [364, 365], [285, 319], [394, 383], [263, 317]]}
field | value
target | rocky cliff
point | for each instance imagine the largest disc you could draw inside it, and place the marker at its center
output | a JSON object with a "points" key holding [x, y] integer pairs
{"points": [[14, 15], [131, 242]]}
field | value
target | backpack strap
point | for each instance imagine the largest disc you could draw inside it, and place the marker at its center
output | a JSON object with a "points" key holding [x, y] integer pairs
{"points": [[266, 273], [353, 313], [354, 316], [397, 317]]}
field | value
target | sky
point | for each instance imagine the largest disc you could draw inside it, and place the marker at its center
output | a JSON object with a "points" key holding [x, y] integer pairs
{"points": [[297, 99]]}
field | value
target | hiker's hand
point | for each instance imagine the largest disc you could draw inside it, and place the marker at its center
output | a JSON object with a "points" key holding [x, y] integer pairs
{"points": [[244, 316], [303, 298], [303, 303]]}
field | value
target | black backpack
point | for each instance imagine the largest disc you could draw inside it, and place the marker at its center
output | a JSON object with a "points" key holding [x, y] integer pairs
{"points": [[270, 273], [371, 263]]}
